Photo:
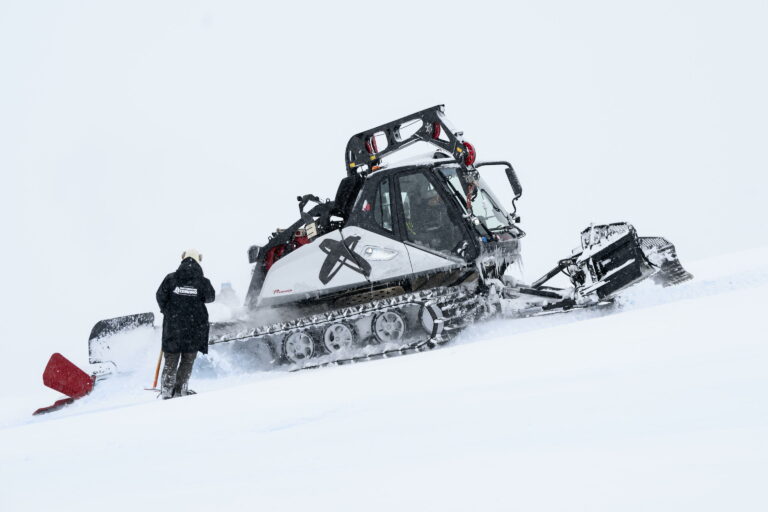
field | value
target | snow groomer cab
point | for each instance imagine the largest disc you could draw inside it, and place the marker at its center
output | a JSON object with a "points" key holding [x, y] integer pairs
{"points": [[392, 229]]}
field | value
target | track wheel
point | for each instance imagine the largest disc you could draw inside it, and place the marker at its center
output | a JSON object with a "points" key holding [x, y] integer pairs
{"points": [[298, 347], [432, 319], [388, 326], [338, 337]]}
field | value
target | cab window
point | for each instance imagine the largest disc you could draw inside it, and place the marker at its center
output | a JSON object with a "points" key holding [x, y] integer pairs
{"points": [[382, 206], [427, 221]]}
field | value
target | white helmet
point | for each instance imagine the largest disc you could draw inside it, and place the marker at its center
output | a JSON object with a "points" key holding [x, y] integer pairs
{"points": [[192, 253]]}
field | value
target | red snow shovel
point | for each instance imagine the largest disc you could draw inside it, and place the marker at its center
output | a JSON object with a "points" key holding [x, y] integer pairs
{"points": [[63, 376]]}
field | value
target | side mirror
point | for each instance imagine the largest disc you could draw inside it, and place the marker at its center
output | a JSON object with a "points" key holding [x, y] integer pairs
{"points": [[517, 188]]}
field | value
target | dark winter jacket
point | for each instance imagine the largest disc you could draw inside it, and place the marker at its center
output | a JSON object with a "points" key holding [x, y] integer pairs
{"points": [[182, 297]]}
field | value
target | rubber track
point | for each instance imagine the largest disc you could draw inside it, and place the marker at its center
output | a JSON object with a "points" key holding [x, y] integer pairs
{"points": [[456, 323], [447, 299]]}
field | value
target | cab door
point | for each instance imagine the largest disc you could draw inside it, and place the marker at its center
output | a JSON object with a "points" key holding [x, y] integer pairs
{"points": [[374, 227], [432, 230]]}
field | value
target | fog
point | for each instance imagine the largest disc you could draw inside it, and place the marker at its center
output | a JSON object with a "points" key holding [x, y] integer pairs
{"points": [[130, 131]]}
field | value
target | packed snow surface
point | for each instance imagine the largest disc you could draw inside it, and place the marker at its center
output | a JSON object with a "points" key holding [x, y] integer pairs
{"points": [[659, 404]]}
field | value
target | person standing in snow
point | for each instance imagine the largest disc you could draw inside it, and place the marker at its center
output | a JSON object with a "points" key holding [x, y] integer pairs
{"points": [[182, 297]]}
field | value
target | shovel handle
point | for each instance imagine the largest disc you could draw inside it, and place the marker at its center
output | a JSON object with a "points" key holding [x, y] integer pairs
{"points": [[157, 368]]}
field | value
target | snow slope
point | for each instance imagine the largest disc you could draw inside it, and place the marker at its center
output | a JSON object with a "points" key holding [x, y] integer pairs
{"points": [[661, 406]]}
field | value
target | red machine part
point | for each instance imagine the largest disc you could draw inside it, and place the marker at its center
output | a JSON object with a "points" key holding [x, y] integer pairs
{"points": [[279, 251], [63, 376], [58, 404], [436, 130], [471, 155], [470, 192], [273, 255], [371, 145], [300, 240]]}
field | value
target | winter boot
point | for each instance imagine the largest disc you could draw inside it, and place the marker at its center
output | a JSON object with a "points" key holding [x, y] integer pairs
{"points": [[184, 391], [182, 376], [170, 370]]}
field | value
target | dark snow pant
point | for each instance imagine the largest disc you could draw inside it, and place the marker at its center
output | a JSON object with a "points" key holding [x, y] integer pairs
{"points": [[176, 374]]}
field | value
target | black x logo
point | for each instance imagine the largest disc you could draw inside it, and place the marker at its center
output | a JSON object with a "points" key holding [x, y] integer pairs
{"points": [[338, 257]]}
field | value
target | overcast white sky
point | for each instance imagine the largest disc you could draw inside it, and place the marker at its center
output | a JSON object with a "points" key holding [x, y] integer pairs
{"points": [[130, 131]]}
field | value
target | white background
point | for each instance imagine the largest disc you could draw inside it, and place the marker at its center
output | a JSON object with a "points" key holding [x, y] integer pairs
{"points": [[130, 131]]}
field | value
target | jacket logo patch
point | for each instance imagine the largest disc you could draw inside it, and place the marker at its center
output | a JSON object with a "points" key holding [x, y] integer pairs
{"points": [[337, 258], [185, 290]]}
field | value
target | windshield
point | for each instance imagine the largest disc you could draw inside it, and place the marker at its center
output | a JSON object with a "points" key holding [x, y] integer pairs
{"points": [[485, 205]]}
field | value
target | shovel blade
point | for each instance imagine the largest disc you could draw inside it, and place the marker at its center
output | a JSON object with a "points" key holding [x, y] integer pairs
{"points": [[63, 376]]}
